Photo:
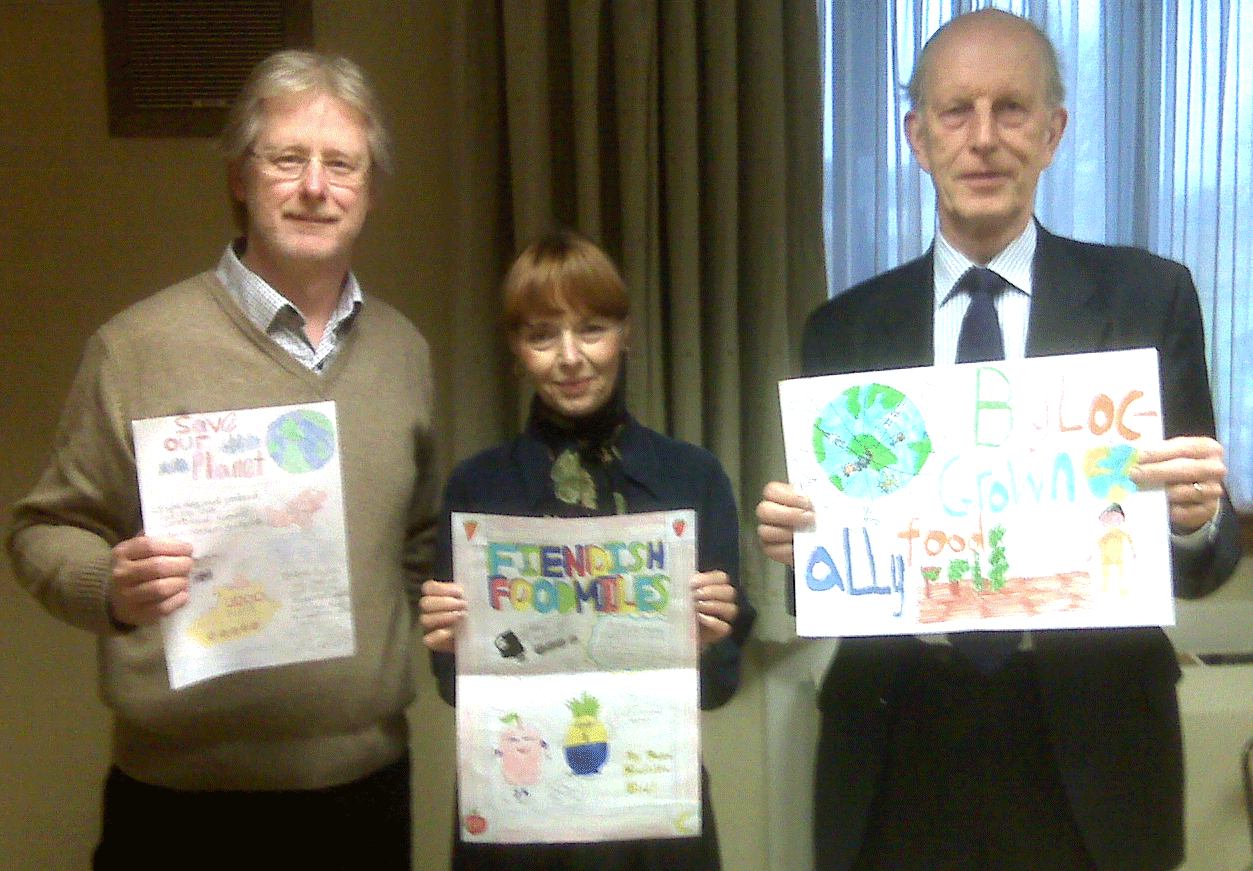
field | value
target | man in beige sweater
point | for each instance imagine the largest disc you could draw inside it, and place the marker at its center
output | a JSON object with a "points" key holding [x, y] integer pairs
{"points": [[302, 765]]}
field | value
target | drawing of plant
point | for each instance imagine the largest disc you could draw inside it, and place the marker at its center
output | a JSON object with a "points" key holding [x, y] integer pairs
{"points": [[998, 562], [956, 571], [998, 566], [976, 571], [929, 574]]}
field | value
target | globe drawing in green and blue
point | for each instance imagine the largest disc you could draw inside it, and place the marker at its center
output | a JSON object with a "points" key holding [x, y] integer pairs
{"points": [[301, 441], [871, 440]]}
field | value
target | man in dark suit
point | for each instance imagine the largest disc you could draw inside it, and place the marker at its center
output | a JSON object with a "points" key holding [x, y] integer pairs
{"points": [[1067, 753]]}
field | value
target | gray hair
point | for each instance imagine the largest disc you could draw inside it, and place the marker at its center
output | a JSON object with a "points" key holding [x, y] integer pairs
{"points": [[294, 71], [1054, 90]]}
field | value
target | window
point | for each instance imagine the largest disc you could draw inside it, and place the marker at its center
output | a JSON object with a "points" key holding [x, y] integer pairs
{"points": [[1158, 153]]}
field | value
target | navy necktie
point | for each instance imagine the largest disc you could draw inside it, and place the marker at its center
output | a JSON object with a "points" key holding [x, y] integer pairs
{"points": [[980, 340]]}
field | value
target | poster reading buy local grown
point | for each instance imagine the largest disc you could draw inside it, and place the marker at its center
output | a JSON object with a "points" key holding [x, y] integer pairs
{"points": [[979, 496], [577, 693]]}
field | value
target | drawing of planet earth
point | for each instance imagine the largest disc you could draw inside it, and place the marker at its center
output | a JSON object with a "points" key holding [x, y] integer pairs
{"points": [[1107, 470], [301, 441], [871, 440]]}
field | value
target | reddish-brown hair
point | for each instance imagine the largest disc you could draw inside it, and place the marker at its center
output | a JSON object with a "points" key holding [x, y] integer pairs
{"points": [[558, 271]]}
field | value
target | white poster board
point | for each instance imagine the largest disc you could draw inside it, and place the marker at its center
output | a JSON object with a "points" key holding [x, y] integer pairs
{"points": [[577, 686], [979, 496], [258, 494]]}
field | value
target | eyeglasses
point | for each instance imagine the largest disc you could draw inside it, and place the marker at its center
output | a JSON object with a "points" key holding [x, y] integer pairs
{"points": [[283, 165]]}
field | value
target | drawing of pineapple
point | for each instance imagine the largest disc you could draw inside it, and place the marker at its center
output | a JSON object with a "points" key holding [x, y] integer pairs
{"points": [[587, 743]]}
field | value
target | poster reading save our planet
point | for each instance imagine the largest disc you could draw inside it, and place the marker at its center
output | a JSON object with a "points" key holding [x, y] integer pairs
{"points": [[979, 496], [577, 692], [258, 494]]}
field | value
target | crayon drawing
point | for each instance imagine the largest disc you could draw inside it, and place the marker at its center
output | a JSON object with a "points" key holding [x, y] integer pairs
{"points": [[577, 689], [979, 496], [522, 750], [258, 493]]}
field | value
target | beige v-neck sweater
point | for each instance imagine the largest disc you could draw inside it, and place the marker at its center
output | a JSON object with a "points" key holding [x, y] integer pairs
{"points": [[190, 349]]}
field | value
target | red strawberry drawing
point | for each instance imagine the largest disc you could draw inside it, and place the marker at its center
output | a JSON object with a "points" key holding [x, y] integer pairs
{"points": [[475, 824], [679, 526]]}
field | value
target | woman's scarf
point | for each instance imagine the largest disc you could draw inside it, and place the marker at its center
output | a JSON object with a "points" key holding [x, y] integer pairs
{"points": [[587, 465]]}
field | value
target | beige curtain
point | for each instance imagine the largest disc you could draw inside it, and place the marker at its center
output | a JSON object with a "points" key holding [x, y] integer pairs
{"points": [[685, 137]]}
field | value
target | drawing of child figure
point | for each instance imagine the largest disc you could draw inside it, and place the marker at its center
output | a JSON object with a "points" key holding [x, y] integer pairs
{"points": [[1110, 547], [521, 752]]}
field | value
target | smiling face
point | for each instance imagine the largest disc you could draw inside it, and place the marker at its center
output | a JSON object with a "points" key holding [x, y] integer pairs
{"points": [[571, 358], [985, 129], [294, 224], [522, 752], [566, 313]]}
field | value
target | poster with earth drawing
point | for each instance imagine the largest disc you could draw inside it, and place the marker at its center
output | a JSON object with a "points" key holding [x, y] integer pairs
{"points": [[979, 496], [258, 494]]}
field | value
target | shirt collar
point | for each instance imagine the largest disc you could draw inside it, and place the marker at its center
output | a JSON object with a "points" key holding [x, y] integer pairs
{"points": [[263, 305], [1013, 263]]}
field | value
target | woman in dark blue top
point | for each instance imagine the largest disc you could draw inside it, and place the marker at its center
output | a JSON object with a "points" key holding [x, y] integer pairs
{"points": [[582, 453]]}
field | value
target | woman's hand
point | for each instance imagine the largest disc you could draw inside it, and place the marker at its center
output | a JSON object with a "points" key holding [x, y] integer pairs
{"points": [[443, 606], [715, 606]]}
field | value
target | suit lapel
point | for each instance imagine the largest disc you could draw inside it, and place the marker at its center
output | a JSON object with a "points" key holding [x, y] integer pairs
{"points": [[1069, 314], [906, 336], [1069, 311]]}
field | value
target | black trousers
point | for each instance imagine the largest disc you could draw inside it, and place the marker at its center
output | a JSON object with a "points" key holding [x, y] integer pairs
{"points": [[970, 782], [362, 824]]}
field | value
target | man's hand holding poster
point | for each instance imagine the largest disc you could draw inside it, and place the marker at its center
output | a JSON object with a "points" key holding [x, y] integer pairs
{"points": [[979, 496], [577, 693]]}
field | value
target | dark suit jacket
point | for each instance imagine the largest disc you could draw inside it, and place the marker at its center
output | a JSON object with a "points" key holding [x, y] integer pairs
{"points": [[1108, 695]]}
